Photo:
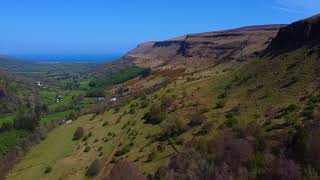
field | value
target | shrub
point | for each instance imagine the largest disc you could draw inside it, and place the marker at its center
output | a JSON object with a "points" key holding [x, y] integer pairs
{"points": [[72, 116], [314, 99], [106, 123], [146, 72], [292, 81], [144, 103], [258, 164], [26, 120], [124, 150], [231, 121], [116, 110], [189, 164], [152, 156], [285, 169], [288, 110], [48, 169], [166, 102], [206, 128], [132, 110], [124, 170], [96, 92], [87, 149], [2, 92], [298, 141], [94, 168], [222, 96], [172, 128], [220, 104], [308, 112], [6, 126], [78, 134], [44, 108], [197, 119], [154, 116]]}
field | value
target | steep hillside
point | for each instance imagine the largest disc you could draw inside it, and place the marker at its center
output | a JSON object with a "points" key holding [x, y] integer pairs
{"points": [[298, 34], [15, 91], [258, 119]]}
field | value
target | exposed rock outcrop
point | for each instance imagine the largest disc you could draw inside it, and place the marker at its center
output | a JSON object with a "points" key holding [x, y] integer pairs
{"points": [[297, 34]]}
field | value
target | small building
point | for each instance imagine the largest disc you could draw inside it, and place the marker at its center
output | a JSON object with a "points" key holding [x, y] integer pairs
{"points": [[69, 122], [114, 99], [59, 98], [100, 99]]}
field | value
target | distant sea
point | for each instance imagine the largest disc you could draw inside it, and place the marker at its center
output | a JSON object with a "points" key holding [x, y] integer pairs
{"points": [[68, 58]]}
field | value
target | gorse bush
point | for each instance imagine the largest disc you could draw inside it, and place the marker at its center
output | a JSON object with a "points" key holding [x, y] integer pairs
{"points": [[87, 149], [48, 169], [106, 123], [220, 104], [152, 156], [231, 121], [78, 134], [124, 150], [172, 128], [308, 111], [155, 115], [166, 102], [197, 119], [94, 168]]}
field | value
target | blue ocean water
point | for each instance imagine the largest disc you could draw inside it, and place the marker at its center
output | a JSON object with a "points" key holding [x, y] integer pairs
{"points": [[68, 58]]}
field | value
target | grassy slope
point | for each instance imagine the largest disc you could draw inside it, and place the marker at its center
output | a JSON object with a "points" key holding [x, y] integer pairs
{"points": [[254, 88], [58, 144]]}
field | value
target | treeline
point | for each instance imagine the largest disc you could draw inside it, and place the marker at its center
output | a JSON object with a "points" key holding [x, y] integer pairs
{"points": [[98, 85]]}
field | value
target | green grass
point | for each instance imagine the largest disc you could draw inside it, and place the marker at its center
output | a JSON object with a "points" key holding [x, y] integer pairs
{"points": [[84, 84], [48, 96], [67, 98], [7, 118], [55, 116], [56, 146]]}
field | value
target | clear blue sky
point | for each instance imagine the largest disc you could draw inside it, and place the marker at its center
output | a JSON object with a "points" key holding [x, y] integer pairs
{"points": [[112, 26]]}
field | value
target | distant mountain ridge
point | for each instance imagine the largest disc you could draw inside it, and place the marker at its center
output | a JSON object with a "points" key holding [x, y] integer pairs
{"points": [[197, 51]]}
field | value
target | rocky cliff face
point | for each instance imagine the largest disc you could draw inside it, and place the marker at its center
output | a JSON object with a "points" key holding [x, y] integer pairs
{"points": [[297, 34], [203, 49]]}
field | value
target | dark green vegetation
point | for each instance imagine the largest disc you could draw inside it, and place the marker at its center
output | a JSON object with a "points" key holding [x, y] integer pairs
{"points": [[19, 111], [11, 139], [98, 86]]}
